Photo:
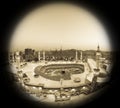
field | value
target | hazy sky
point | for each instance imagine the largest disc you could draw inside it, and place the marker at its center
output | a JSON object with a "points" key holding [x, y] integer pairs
{"points": [[60, 25]]}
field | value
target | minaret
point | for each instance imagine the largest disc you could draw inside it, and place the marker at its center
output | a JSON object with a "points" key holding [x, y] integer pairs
{"points": [[98, 55], [61, 53], [81, 56], [43, 55], [38, 55], [13, 59], [17, 60], [76, 56]]}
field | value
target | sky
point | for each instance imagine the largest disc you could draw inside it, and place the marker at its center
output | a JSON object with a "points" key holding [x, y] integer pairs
{"points": [[54, 26]]}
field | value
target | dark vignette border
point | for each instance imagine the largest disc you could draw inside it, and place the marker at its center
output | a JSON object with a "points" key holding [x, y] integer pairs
{"points": [[13, 11]]}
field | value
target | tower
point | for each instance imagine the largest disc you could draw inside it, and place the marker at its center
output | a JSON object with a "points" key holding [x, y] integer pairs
{"points": [[17, 56], [13, 59], [76, 56], [98, 55], [38, 55], [81, 56]]}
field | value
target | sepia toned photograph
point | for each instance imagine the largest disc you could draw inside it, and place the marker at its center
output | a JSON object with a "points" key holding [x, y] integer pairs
{"points": [[61, 54]]}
